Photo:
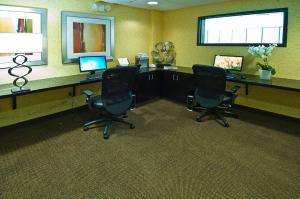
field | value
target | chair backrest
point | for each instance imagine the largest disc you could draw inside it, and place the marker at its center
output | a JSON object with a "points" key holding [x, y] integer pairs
{"points": [[210, 84], [117, 86]]}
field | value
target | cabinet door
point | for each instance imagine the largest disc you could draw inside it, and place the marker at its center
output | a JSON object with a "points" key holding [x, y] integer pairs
{"points": [[141, 87], [155, 84], [169, 85], [176, 86]]}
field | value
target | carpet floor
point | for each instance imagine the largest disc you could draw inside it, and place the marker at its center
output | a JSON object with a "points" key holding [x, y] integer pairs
{"points": [[167, 155]]}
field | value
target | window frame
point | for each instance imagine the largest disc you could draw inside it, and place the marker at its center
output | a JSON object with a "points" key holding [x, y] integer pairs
{"points": [[201, 19]]}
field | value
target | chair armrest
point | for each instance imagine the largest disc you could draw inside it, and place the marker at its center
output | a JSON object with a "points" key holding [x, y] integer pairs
{"points": [[235, 89], [88, 93]]}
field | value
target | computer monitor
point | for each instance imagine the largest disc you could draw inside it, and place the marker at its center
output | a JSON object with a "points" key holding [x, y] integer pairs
{"points": [[230, 63], [92, 64]]}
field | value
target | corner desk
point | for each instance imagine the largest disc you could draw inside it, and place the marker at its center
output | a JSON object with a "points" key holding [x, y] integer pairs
{"points": [[150, 83]]}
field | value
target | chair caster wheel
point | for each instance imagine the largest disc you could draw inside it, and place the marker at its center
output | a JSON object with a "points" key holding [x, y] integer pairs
{"points": [[131, 126], [198, 119], [85, 128], [226, 125], [105, 136]]}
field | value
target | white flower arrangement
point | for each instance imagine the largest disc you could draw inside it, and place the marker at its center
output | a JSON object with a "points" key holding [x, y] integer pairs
{"points": [[263, 52]]}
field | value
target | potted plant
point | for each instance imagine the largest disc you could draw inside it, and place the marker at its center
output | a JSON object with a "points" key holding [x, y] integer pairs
{"points": [[263, 52]]}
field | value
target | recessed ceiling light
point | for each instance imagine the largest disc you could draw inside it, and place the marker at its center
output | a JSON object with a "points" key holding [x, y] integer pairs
{"points": [[152, 3]]}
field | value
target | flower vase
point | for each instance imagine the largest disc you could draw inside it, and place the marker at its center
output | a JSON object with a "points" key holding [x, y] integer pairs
{"points": [[265, 74]]}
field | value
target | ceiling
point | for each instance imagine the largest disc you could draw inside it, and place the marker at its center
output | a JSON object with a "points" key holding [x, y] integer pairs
{"points": [[163, 4]]}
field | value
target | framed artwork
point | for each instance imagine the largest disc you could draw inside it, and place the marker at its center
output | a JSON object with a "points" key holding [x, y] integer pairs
{"points": [[19, 20], [86, 35]]}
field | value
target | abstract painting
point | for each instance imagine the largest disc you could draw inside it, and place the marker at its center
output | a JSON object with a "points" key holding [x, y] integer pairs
{"points": [[86, 35]]}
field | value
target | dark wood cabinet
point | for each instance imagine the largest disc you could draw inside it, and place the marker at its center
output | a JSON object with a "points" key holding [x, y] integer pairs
{"points": [[176, 85], [148, 86], [172, 85]]}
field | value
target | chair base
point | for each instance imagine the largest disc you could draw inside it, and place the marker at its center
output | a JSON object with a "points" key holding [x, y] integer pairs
{"points": [[218, 114], [107, 124]]}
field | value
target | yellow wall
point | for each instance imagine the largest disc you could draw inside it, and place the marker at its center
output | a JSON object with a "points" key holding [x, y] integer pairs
{"points": [[133, 33], [180, 27], [183, 32], [157, 22]]}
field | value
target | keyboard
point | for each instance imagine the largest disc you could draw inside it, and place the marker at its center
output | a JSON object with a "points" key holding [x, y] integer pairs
{"points": [[93, 78], [231, 76], [235, 76]]}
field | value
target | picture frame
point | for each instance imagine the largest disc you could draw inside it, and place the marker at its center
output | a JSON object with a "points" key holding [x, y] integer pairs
{"points": [[14, 20], [86, 35]]}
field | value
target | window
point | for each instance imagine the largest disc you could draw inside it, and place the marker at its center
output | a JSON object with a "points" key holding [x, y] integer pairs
{"points": [[244, 29]]}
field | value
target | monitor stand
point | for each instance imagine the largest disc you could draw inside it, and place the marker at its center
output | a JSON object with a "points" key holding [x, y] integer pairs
{"points": [[91, 75]]}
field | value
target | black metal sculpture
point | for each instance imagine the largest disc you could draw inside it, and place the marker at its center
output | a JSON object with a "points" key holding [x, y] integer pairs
{"points": [[21, 80]]}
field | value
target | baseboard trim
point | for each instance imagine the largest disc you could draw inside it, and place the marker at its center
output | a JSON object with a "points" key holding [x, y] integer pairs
{"points": [[43, 118]]}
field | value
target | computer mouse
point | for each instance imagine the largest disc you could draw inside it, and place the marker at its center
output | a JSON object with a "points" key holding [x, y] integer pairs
{"points": [[243, 77]]}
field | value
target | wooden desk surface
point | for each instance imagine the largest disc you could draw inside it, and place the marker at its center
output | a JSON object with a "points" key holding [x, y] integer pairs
{"points": [[46, 84], [275, 82], [74, 80]]}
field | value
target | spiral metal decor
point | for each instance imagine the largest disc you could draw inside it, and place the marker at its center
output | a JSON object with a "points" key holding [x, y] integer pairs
{"points": [[21, 80], [164, 53]]}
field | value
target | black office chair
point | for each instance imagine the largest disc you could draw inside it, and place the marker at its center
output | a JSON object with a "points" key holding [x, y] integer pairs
{"points": [[210, 93], [116, 98]]}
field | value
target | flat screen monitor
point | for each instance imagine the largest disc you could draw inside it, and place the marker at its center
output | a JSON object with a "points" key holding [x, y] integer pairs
{"points": [[92, 63], [231, 63]]}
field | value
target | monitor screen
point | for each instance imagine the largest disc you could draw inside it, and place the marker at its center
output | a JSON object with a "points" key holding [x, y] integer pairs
{"points": [[232, 63], [92, 63]]}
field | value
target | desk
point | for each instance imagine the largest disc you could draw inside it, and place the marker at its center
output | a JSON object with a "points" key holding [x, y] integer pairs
{"points": [[151, 83], [74, 80], [279, 95], [46, 85], [279, 83]]}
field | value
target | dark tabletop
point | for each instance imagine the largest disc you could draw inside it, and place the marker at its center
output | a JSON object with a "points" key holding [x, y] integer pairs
{"points": [[73, 80]]}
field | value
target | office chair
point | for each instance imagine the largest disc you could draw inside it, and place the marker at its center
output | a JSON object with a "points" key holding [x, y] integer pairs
{"points": [[210, 93], [115, 99]]}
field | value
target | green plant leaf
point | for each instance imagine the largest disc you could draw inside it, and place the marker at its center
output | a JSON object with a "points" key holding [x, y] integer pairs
{"points": [[273, 71]]}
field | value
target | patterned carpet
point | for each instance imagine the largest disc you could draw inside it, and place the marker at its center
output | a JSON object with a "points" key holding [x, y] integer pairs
{"points": [[167, 155]]}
